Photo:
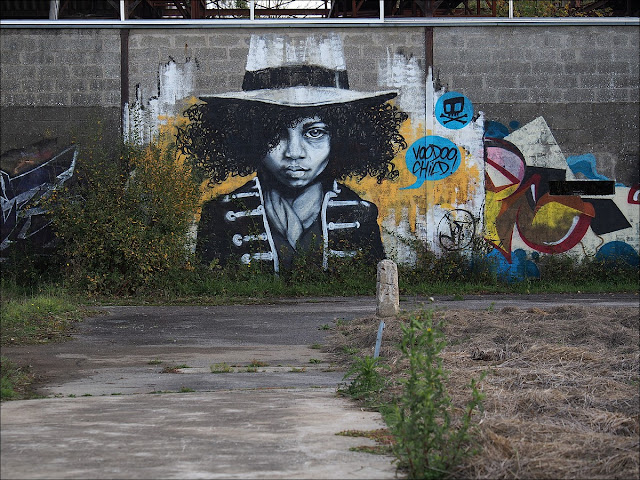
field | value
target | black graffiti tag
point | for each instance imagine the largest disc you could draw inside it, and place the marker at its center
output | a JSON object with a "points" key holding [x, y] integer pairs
{"points": [[434, 161], [456, 229]]}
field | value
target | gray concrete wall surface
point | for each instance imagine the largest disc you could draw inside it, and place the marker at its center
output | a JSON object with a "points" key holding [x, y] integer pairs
{"points": [[564, 97], [582, 79], [58, 83]]}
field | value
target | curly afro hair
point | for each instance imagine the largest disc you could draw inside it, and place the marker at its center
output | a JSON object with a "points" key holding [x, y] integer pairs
{"points": [[230, 138]]}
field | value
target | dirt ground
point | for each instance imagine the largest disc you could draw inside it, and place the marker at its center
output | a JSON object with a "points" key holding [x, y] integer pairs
{"points": [[562, 386]]}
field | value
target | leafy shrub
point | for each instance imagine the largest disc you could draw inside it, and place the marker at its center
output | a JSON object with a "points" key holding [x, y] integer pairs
{"points": [[429, 441], [570, 268], [124, 224]]}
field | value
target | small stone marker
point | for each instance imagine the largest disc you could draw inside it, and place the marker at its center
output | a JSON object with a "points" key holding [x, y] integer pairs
{"points": [[387, 289]]}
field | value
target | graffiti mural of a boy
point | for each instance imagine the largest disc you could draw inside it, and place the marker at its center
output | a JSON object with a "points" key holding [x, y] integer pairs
{"points": [[298, 128]]}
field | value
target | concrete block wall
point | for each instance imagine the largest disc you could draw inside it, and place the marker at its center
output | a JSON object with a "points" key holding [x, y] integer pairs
{"points": [[575, 85], [582, 80], [221, 54], [55, 82]]}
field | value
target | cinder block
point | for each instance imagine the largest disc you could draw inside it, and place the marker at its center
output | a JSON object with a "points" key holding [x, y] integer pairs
{"points": [[596, 81], [613, 68], [79, 71], [562, 82], [216, 39], [579, 68], [213, 55], [578, 95], [83, 99], [610, 95], [238, 55], [112, 70]]}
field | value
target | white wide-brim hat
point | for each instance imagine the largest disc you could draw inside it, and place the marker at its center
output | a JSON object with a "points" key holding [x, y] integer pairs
{"points": [[294, 73]]}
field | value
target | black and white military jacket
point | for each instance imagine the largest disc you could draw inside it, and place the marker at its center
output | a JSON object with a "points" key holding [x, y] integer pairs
{"points": [[235, 228]]}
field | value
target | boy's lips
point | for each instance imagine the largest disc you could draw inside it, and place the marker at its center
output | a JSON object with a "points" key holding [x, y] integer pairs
{"points": [[295, 171]]}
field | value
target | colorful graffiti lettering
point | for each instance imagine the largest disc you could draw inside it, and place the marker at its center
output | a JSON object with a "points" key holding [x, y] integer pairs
{"points": [[432, 158], [546, 223], [523, 203]]}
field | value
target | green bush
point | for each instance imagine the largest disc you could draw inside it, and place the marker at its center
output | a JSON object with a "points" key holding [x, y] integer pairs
{"points": [[430, 442], [123, 225], [570, 268]]}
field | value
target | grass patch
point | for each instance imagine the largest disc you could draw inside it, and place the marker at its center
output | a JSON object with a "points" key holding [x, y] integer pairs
{"points": [[42, 318], [174, 368], [15, 381], [383, 438], [221, 368]]}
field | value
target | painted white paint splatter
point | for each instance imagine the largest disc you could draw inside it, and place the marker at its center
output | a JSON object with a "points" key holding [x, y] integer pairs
{"points": [[143, 118], [276, 50], [404, 74]]}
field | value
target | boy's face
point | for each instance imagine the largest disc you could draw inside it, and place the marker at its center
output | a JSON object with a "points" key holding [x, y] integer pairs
{"points": [[302, 153]]}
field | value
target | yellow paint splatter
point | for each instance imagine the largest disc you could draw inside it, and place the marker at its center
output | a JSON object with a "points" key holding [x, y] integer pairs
{"points": [[555, 215], [447, 193]]}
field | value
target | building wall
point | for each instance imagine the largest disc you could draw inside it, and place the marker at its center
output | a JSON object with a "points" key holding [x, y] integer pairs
{"points": [[56, 82], [582, 79], [550, 104]]}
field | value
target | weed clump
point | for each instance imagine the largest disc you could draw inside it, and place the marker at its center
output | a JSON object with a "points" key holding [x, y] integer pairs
{"points": [[430, 441], [431, 436]]}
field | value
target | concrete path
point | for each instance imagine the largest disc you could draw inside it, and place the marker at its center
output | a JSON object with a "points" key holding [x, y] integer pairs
{"points": [[115, 409], [275, 433]]}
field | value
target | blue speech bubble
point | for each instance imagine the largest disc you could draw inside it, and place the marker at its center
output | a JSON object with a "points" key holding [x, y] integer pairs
{"points": [[454, 110], [432, 158]]}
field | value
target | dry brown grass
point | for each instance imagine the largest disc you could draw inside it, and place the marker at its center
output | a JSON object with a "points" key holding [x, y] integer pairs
{"points": [[562, 389]]}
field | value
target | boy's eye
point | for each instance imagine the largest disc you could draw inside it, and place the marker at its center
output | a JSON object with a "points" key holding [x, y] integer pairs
{"points": [[316, 132]]}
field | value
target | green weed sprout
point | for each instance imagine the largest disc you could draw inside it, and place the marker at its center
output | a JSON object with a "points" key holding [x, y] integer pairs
{"points": [[366, 381]]}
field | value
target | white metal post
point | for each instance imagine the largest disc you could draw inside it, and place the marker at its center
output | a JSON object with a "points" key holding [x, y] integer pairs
{"points": [[382, 10], [510, 8], [252, 10], [122, 11], [54, 9]]}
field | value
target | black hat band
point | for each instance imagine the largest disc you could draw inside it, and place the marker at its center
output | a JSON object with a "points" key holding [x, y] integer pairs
{"points": [[295, 76]]}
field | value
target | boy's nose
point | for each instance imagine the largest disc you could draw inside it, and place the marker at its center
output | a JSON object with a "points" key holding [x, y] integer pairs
{"points": [[295, 148]]}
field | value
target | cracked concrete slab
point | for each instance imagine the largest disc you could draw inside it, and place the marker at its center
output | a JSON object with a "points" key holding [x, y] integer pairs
{"points": [[264, 433]]}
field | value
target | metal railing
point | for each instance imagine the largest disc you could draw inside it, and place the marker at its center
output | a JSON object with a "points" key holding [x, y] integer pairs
{"points": [[257, 21]]}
